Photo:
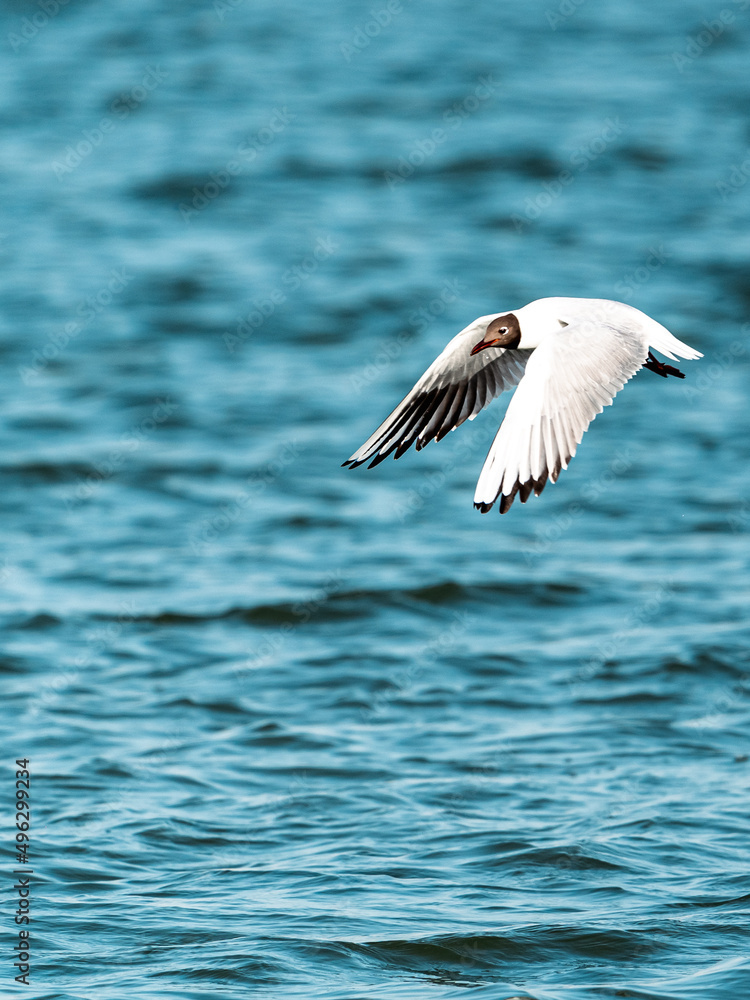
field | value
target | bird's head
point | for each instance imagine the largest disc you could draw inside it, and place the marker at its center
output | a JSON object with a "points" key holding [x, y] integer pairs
{"points": [[502, 331]]}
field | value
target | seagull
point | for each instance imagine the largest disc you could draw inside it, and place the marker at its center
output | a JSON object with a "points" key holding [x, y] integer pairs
{"points": [[568, 357]]}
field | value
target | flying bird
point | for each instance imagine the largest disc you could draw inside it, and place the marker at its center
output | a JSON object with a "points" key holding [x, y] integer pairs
{"points": [[568, 357]]}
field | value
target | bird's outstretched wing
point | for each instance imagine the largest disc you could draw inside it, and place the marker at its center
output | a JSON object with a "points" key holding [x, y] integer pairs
{"points": [[570, 378], [454, 388]]}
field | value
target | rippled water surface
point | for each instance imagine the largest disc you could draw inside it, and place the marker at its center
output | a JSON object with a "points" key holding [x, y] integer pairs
{"points": [[297, 731]]}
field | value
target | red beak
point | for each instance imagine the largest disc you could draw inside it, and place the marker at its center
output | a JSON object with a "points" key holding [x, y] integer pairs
{"points": [[482, 345]]}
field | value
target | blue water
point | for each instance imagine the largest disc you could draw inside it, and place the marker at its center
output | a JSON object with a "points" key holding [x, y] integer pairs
{"points": [[297, 731]]}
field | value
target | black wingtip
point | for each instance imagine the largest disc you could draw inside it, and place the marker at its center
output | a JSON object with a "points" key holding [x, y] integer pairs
{"points": [[483, 508], [525, 489], [540, 483]]}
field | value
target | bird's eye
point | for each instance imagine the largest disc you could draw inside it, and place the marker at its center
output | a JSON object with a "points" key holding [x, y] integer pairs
{"points": [[503, 329]]}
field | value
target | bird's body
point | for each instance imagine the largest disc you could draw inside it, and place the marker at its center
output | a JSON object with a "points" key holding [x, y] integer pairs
{"points": [[568, 357]]}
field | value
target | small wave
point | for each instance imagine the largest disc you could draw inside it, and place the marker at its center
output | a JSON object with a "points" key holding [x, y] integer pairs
{"points": [[359, 603], [530, 944], [521, 855]]}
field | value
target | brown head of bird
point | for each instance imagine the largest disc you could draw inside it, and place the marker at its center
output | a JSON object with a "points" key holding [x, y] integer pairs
{"points": [[502, 331]]}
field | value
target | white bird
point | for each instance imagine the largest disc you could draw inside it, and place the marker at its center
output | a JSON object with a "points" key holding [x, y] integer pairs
{"points": [[568, 357]]}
